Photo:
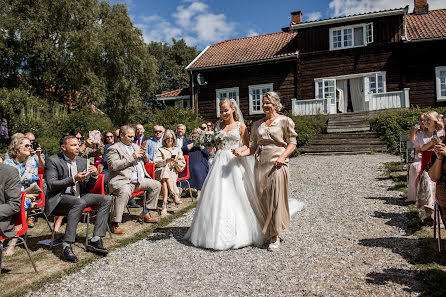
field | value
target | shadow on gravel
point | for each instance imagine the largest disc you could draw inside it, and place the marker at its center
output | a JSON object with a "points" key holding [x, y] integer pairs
{"points": [[396, 220], [165, 233], [390, 200], [406, 247], [399, 276]]}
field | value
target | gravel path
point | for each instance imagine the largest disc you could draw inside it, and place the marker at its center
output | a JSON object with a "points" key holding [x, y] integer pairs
{"points": [[350, 240]]}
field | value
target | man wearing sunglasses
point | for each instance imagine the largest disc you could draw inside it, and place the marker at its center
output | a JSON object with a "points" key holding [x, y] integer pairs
{"points": [[154, 143]]}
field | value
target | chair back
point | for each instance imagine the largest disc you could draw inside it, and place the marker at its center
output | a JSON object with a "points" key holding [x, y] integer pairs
{"points": [[20, 219], [425, 158], [150, 168], [185, 171], [99, 187], [41, 170], [41, 195]]}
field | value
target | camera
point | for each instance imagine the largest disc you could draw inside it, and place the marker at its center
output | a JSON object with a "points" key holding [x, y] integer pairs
{"points": [[35, 145]]}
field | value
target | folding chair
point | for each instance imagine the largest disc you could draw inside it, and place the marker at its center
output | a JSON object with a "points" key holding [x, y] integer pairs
{"points": [[40, 207], [20, 219], [186, 174], [438, 214]]}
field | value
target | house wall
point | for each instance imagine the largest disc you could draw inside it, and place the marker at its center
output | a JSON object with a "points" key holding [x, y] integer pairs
{"points": [[283, 76], [316, 39]]}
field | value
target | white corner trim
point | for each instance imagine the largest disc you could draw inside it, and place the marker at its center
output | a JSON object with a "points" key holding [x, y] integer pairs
{"points": [[197, 57]]}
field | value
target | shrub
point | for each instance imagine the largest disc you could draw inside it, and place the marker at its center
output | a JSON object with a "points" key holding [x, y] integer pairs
{"points": [[391, 124], [308, 126]]}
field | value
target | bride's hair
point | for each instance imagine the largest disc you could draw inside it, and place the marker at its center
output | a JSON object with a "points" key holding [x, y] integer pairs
{"points": [[231, 103]]}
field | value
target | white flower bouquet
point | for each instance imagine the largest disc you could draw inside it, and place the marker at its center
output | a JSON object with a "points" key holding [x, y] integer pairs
{"points": [[209, 138]]}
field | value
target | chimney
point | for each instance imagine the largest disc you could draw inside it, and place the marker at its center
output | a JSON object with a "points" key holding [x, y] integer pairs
{"points": [[296, 17], [421, 7]]}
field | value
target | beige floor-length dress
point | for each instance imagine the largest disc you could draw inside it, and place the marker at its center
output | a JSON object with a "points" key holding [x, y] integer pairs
{"points": [[272, 181]]}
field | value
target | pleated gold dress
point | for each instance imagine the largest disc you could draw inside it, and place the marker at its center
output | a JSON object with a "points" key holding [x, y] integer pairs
{"points": [[272, 181]]}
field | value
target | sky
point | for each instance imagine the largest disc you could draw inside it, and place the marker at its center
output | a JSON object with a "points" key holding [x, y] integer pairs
{"points": [[205, 22]]}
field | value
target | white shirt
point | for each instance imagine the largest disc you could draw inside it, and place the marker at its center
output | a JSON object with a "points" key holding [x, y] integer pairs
{"points": [[138, 172], [180, 141], [69, 190]]}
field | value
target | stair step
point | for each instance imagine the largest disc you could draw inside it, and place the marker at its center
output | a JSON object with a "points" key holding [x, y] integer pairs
{"points": [[347, 129], [343, 148], [350, 141], [344, 121], [348, 135]]}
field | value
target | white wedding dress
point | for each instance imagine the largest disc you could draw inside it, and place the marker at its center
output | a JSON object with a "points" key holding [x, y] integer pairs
{"points": [[225, 217]]}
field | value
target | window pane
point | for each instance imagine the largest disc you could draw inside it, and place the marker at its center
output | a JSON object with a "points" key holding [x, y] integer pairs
{"points": [[372, 84], [359, 36], [348, 37], [380, 84], [443, 83]]}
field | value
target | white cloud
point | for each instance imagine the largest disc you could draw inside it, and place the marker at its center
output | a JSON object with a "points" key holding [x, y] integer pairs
{"points": [[314, 16], [348, 7], [252, 32], [192, 20]]}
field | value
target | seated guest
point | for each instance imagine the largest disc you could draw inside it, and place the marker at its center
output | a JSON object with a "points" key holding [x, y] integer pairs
{"points": [[109, 140], [198, 162], [140, 137], [116, 134], [169, 161], [154, 143], [86, 150], [209, 126], [6, 155], [204, 127], [181, 135], [36, 153], [127, 174], [10, 198], [69, 183], [426, 188], [19, 152]]}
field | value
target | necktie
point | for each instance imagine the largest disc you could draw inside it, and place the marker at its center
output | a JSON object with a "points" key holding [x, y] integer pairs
{"points": [[73, 173], [139, 141]]}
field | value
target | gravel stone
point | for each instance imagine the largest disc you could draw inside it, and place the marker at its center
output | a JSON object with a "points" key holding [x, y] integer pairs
{"points": [[350, 239]]}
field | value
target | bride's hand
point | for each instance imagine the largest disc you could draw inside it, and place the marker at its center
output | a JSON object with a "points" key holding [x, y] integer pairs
{"points": [[236, 152]]}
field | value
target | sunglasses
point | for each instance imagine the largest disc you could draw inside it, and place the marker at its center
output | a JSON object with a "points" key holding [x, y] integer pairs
{"points": [[202, 128], [109, 136], [27, 145], [209, 125], [157, 131], [169, 138]]}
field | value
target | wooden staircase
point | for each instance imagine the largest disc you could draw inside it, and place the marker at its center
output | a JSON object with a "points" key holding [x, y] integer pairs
{"points": [[347, 133]]}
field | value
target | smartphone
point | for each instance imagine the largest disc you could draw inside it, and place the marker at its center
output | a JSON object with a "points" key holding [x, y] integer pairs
{"points": [[143, 145], [173, 156], [435, 136], [416, 123], [35, 145]]}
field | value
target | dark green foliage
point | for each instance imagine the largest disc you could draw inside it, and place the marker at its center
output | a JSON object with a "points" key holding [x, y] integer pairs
{"points": [[308, 126], [389, 125]]}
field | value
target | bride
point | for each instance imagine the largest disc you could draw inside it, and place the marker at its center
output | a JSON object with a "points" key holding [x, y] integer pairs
{"points": [[226, 216]]}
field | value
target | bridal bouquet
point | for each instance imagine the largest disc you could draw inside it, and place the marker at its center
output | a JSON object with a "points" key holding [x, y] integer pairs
{"points": [[209, 138]]}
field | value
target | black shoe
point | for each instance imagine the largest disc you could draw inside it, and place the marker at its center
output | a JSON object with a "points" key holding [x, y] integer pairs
{"points": [[69, 256], [132, 204], [97, 247]]}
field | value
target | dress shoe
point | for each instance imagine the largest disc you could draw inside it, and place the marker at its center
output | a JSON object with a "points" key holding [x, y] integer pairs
{"points": [[132, 204], [117, 230], [97, 247], [147, 218], [68, 255]]}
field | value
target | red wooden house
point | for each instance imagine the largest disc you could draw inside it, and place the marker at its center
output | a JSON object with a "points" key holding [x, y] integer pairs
{"points": [[377, 60]]}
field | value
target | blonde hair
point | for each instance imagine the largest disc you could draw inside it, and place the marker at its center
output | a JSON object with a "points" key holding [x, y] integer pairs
{"points": [[274, 98], [14, 146], [434, 116], [166, 134], [231, 103]]}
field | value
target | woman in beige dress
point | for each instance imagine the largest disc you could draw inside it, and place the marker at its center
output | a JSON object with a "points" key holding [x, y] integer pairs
{"points": [[169, 161], [273, 139]]}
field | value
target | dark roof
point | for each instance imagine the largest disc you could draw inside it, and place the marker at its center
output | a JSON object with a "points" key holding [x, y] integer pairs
{"points": [[426, 26], [248, 49]]}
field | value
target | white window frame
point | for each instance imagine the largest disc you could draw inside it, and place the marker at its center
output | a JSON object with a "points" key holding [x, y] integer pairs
{"points": [[438, 82], [255, 87], [226, 90], [376, 75], [367, 35]]}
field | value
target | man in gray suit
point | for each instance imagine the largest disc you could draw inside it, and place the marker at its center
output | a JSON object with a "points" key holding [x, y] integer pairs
{"points": [[10, 198], [69, 182], [127, 174]]}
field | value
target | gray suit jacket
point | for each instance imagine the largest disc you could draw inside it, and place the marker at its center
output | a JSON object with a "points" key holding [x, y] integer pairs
{"points": [[58, 179], [10, 198], [121, 165]]}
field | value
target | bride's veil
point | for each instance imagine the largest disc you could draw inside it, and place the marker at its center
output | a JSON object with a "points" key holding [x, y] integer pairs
{"points": [[237, 110]]}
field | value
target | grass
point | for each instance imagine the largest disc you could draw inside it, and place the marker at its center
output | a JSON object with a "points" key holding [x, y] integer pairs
{"points": [[429, 263], [17, 270]]}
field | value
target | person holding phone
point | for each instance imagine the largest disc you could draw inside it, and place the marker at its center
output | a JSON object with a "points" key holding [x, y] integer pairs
{"points": [[36, 150], [169, 161]]}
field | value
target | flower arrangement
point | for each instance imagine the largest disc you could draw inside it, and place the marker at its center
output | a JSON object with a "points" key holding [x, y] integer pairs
{"points": [[209, 138]]}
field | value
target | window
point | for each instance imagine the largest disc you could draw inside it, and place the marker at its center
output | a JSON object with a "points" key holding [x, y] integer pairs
{"points": [[440, 77], [351, 36], [377, 83], [231, 93], [255, 97], [325, 89]]}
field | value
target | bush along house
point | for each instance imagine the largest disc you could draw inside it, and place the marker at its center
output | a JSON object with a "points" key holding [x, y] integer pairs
{"points": [[371, 61]]}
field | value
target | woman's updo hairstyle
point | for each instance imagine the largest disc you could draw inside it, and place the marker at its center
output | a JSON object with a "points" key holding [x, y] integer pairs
{"points": [[434, 116], [274, 98], [231, 103]]}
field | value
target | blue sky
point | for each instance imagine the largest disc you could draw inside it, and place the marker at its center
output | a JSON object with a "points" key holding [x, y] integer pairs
{"points": [[205, 22]]}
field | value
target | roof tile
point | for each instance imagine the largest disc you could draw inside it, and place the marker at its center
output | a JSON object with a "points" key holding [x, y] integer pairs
{"points": [[424, 26]]}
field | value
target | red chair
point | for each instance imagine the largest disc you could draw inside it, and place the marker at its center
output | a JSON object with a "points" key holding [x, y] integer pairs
{"points": [[186, 174], [20, 219], [40, 207], [150, 168], [40, 170], [425, 158]]}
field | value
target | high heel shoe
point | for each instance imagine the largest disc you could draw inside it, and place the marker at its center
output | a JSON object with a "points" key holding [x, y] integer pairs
{"points": [[164, 209], [176, 199]]}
